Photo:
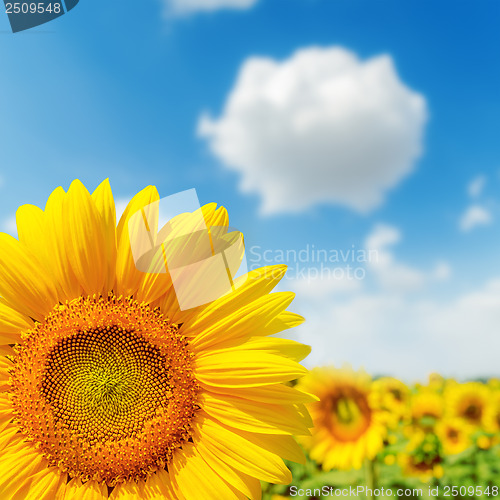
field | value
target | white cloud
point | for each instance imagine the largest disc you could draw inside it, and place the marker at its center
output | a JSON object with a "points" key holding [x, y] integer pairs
{"points": [[120, 206], [321, 126], [318, 287], [476, 186], [475, 215], [391, 334], [393, 275], [184, 7], [9, 225], [375, 325]]}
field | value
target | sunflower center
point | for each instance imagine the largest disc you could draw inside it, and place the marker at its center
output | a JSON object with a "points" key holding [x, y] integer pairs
{"points": [[104, 388], [348, 414], [347, 410], [397, 394], [473, 412]]}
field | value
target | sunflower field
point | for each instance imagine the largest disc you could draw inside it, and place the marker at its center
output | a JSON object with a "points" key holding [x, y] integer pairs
{"points": [[383, 438]]}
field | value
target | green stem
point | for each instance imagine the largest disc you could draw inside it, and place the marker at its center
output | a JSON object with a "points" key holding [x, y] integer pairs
{"points": [[370, 477]]}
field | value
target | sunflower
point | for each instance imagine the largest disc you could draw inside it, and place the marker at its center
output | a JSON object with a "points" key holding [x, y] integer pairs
{"points": [[424, 470], [422, 457], [494, 384], [468, 401], [393, 396], [454, 434], [492, 413], [426, 408], [348, 426], [485, 442], [436, 381], [110, 390]]}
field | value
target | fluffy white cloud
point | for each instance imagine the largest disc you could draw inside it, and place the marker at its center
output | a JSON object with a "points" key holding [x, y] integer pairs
{"points": [[321, 126], [183, 7], [391, 334], [393, 275], [319, 287], [476, 186], [475, 215], [371, 323]]}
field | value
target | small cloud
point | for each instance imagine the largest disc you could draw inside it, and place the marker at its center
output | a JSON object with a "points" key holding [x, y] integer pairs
{"points": [[475, 215], [392, 275], [187, 7], [406, 337], [476, 186], [9, 226], [381, 237], [120, 206], [442, 271], [322, 126], [320, 287]]}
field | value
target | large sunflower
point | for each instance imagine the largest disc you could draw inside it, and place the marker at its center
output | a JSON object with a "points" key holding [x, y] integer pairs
{"points": [[109, 389], [348, 426]]}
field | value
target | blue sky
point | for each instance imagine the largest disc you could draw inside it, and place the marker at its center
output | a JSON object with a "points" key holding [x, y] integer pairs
{"points": [[118, 92]]}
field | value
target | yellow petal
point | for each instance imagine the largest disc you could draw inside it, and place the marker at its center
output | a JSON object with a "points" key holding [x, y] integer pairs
{"points": [[272, 345], [10, 439], [242, 454], [247, 485], [31, 231], [90, 490], [267, 393], [246, 369], [58, 256], [249, 287], [105, 204], [194, 476], [12, 323], [48, 484], [17, 465], [6, 350], [85, 239], [215, 218], [24, 284], [242, 323], [128, 277], [156, 487], [284, 446], [6, 414], [128, 490], [282, 322], [153, 286], [5, 365], [260, 418]]}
